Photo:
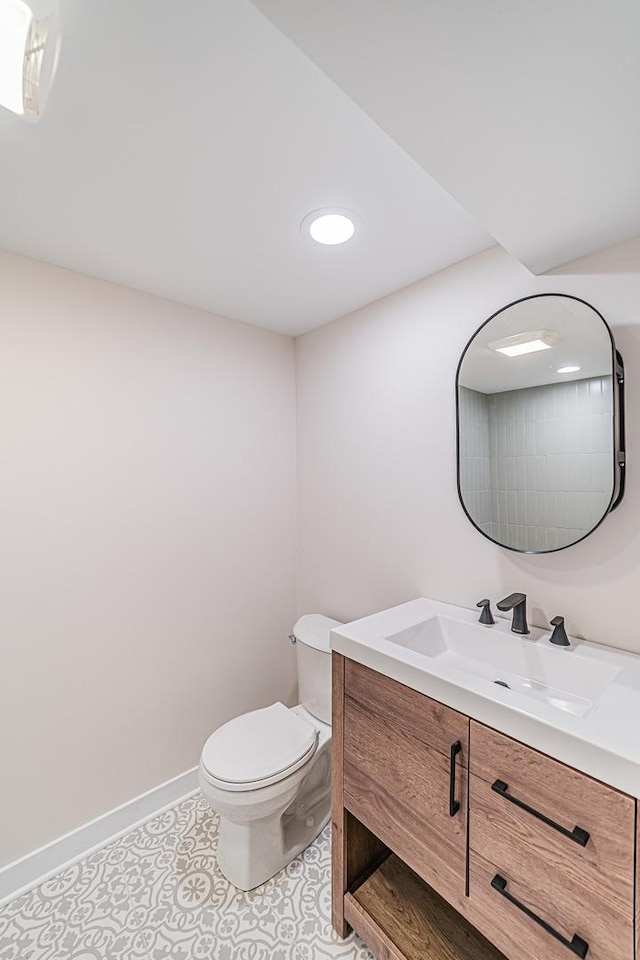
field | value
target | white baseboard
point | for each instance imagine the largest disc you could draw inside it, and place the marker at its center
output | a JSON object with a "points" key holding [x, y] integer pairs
{"points": [[30, 871]]}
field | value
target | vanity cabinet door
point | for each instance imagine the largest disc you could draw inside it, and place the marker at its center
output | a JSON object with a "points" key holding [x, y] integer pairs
{"points": [[548, 846], [405, 775]]}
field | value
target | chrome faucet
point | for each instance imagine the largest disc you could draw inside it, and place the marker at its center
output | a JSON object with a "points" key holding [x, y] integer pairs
{"points": [[518, 603]]}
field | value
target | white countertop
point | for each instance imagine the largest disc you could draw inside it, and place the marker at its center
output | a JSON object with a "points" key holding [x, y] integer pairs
{"points": [[603, 683]]}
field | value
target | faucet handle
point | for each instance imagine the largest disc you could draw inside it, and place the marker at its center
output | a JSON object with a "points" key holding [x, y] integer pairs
{"points": [[559, 635], [486, 616]]}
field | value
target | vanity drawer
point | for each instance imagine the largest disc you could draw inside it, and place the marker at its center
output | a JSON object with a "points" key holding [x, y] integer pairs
{"points": [[400, 785], [521, 937], [565, 850]]}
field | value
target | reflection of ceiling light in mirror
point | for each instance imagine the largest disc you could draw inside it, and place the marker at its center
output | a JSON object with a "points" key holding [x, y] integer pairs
{"points": [[329, 226], [29, 46], [522, 343], [567, 369]]}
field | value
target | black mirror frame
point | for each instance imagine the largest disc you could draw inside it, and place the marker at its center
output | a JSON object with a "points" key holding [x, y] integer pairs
{"points": [[618, 425]]}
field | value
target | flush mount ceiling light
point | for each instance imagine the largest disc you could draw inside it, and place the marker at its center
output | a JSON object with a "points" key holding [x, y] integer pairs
{"points": [[330, 226], [567, 369], [29, 47], [523, 343]]}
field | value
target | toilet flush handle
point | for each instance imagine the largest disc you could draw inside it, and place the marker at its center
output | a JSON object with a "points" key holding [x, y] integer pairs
{"points": [[292, 638]]}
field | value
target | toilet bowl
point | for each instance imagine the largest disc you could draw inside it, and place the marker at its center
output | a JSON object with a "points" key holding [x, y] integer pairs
{"points": [[267, 773]]}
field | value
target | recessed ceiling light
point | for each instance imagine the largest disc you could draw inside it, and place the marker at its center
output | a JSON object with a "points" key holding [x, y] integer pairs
{"points": [[329, 226], [523, 343], [29, 50], [332, 228], [567, 369], [15, 20]]}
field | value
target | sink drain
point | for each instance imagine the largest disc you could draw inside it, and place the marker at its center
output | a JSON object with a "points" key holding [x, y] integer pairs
{"points": [[502, 683]]}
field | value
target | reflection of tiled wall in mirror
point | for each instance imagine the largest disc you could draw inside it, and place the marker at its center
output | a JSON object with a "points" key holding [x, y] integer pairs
{"points": [[550, 461], [475, 457]]}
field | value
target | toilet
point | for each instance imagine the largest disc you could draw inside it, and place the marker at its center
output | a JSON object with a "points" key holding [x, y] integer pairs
{"points": [[267, 773]]}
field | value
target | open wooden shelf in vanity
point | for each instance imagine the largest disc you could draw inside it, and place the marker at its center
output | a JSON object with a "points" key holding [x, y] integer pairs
{"points": [[452, 841], [399, 916]]}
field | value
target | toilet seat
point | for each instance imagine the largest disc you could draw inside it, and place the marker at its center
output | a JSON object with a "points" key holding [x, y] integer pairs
{"points": [[258, 748]]}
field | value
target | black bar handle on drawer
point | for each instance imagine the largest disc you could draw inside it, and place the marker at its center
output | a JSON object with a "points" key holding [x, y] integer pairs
{"points": [[578, 835], [577, 945], [454, 805]]}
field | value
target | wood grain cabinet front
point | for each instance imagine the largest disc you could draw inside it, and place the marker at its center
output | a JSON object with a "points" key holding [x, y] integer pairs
{"points": [[551, 855], [405, 775], [538, 858]]}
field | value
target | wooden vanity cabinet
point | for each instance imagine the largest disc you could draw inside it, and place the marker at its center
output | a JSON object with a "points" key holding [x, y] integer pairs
{"points": [[405, 775], [454, 842]]}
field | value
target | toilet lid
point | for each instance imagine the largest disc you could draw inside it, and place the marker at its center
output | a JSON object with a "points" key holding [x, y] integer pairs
{"points": [[264, 745]]}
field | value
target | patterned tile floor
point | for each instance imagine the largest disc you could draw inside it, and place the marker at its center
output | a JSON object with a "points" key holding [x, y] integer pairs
{"points": [[157, 894]]}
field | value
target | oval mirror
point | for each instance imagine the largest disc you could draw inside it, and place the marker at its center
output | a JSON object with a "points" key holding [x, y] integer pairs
{"points": [[540, 424]]}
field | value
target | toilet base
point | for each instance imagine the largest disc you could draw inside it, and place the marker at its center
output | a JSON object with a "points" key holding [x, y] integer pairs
{"points": [[249, 854], [254, 847]]}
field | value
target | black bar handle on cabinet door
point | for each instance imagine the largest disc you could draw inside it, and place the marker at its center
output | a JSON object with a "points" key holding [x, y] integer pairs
{"points": [[578, 835], [577, 945], [454, 805]]}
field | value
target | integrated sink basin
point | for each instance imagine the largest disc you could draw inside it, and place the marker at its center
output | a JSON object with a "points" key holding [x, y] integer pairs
{"points": [[578, 704], [572, 683]]}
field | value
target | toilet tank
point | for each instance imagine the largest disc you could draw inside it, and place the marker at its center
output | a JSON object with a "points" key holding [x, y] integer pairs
{"points": [[313, 653]]}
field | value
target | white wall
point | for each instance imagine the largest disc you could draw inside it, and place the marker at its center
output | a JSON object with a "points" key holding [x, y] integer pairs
{"points": [[379, 516], [147, 540], [147, 498]]}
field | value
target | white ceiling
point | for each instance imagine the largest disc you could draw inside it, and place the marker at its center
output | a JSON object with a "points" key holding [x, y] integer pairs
{"points": [[183, 144], [524, 110]]}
